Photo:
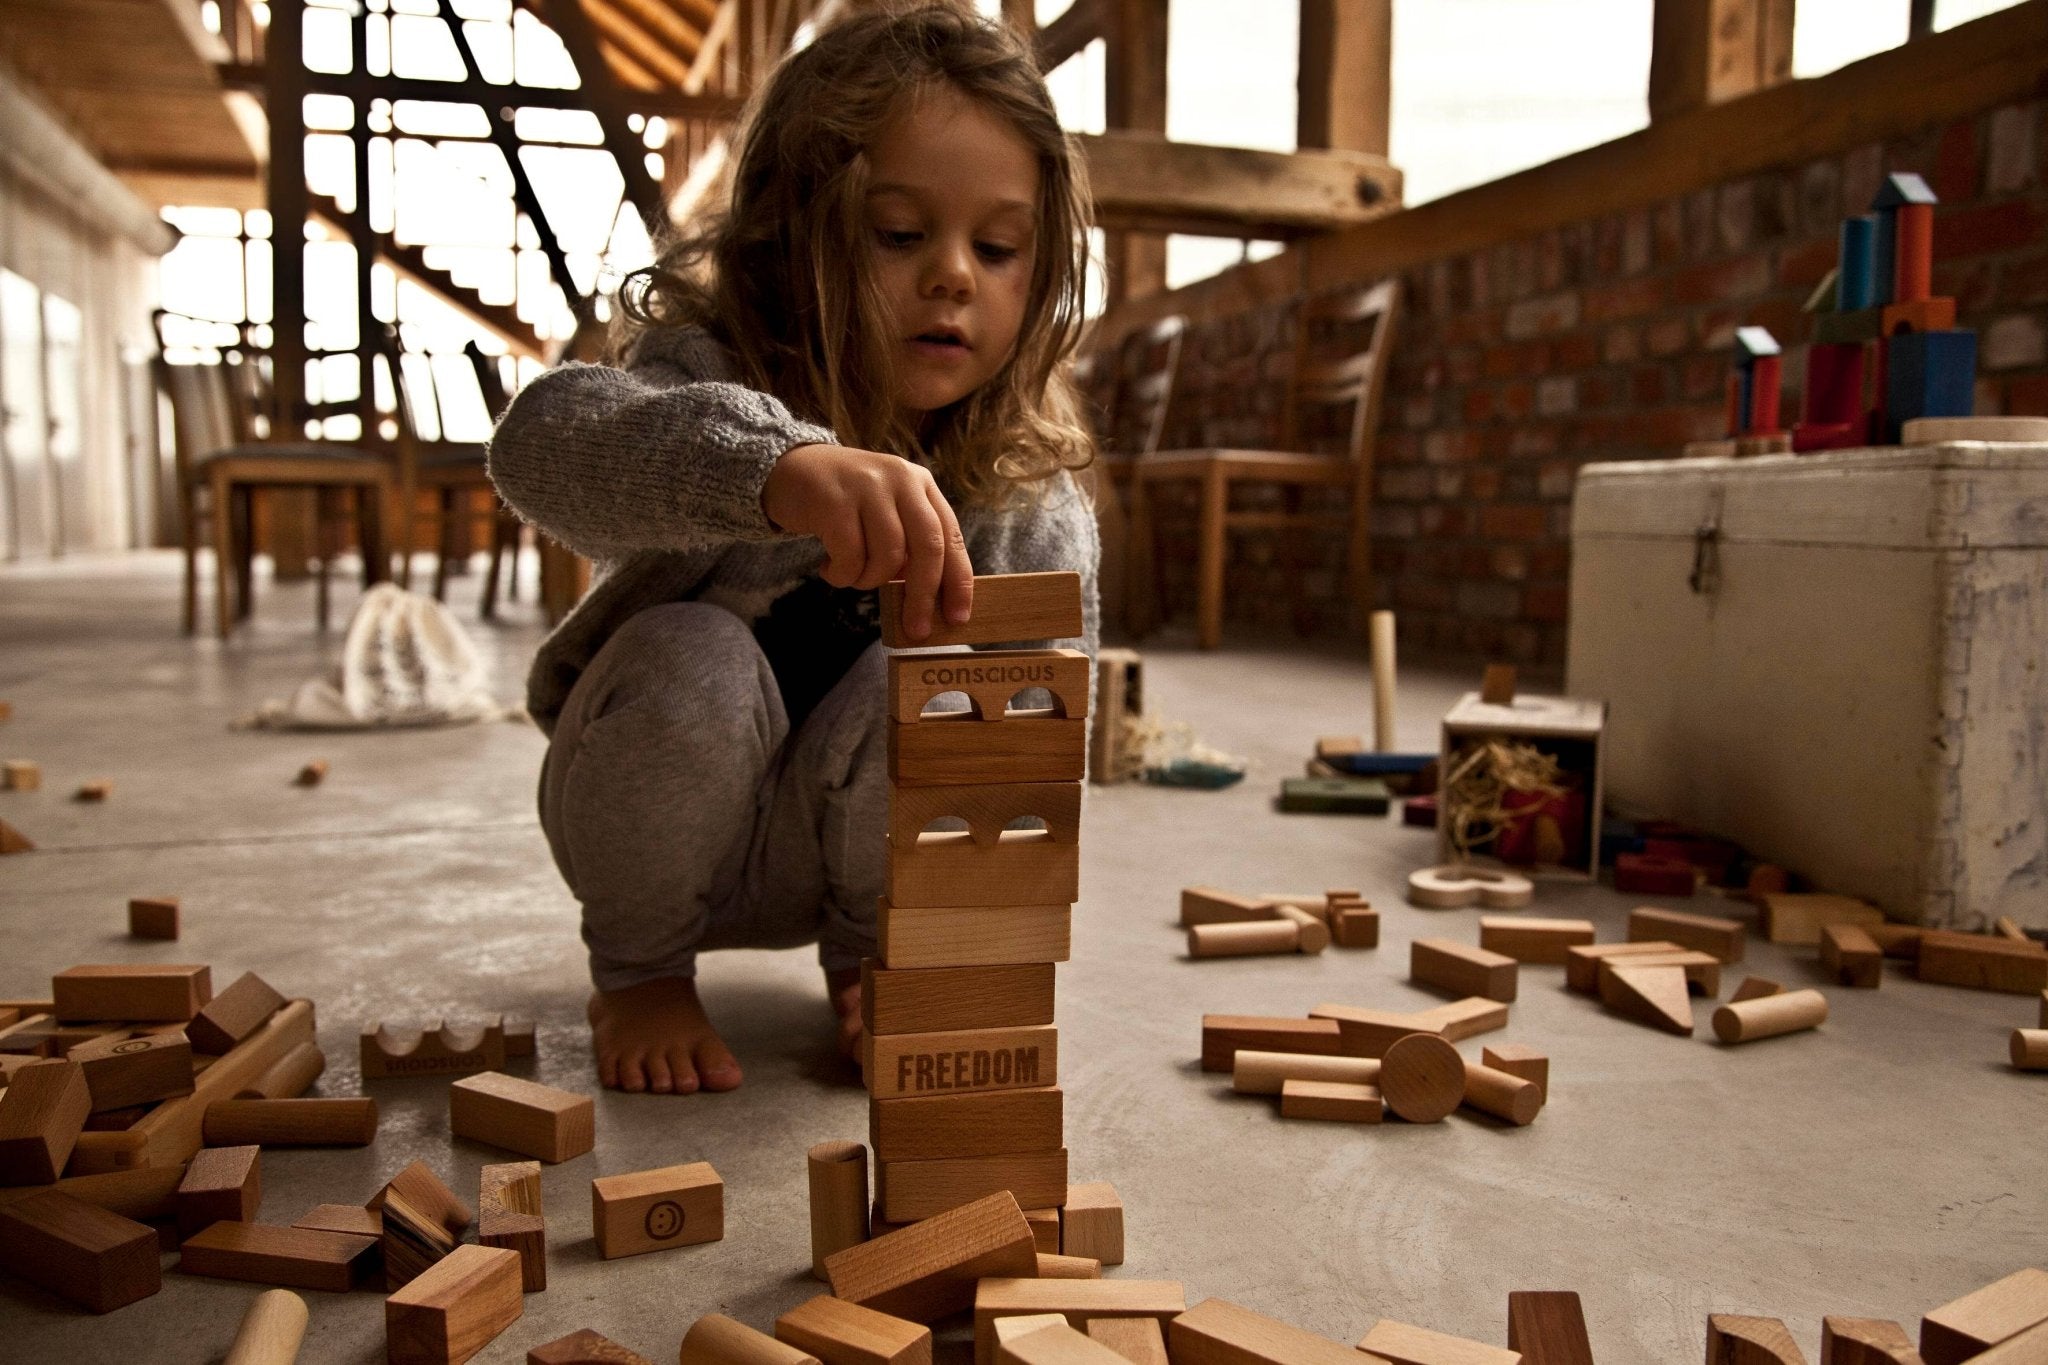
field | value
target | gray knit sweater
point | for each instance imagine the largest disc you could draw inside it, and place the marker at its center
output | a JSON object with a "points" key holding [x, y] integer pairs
{"points": [[655, 472]]}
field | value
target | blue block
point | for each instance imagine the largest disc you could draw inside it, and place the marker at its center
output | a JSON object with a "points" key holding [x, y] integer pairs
{"points": [[1854, 278], [1884, 246], [1928, 374]]}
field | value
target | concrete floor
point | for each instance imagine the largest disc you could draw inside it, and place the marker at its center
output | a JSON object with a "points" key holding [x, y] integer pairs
{"points": [[1879, 1167]]}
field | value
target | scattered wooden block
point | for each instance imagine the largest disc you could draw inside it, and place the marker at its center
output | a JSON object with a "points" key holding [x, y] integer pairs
{"points": [[1224, 1034], [1313, 932], [1754, 988], [672, 1206], [1054, 1343], [422, 1189], [1865, 1341], [1249, 938], [1702, 970], [962, 1060], [2044, 1009], [96, 1259], [93, 791], [233, 1015], [1401, 1344], [716, 1339], [931, 1000], [1497, 687], [989, 1123], [1362, 1032], [349, 1121], [1517, 1060], [1453, 885], [146, 1194], [221, 1183], [1355, 926], [1767, 1016], [1656, 996], [1265, 1073], [1461, 969], [140, 992], [1725, 938], [948, 868], [586, 1347], [519, 1041], [930, 936], [455, 1309], [1901, 941], [1966, 1327], [1092, 1223], [1007, 608], [13, 840], [21, 775], [1510, 1098], [153, 917], [930, 1269], [1138, 1340], [838, 1175], [1337, 1101], [1208, 905], [1851, 956], [121, 1071], [2029, 1049], [2005, 926], [1217, 1332], [312, 774], [1736, 1340], [2024, 1349], [42, 1112], [351, 1219], [1982, 962], [1045, 1229], [841, 1333], [522, 1116], [1786, 917], [910, 1190], [1529, 939], [271, 1331], [1582, 963], [1645, 874], [1422, 1078], [1076, 1300], [297, 1258], [437, 1050], [1052, 1266], [990, 679], [1548, 1327], [955, 749], [508, 1215], [1462, 1019], [412, 1240]]}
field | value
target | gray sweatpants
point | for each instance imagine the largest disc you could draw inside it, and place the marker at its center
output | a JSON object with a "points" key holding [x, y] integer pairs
{"points": [[685, 815]]}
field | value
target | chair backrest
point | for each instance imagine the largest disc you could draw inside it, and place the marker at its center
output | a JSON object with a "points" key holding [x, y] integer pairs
{"points": [[1341, 345], [202, 410], [1148, 367]]}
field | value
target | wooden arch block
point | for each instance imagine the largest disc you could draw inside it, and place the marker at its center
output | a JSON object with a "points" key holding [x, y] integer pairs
{"points": [[988, 808], [990, 679]]}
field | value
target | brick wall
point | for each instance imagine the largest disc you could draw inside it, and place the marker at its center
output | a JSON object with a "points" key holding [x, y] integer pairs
{"points": [[1605, 340]]}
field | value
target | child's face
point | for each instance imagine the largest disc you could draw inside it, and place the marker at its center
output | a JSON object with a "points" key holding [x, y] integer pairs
{"points": [[953, 207]]}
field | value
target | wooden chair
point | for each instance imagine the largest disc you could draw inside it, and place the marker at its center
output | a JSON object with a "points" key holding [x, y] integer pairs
{"points": [[1354, 377], [221, 469], [1147, 367]]}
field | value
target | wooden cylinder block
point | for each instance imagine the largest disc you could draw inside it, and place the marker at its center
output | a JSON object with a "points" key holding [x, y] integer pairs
{"points": [[716, 1339], [1245, 939], [271, 1330], [289, 1076], [839, 1199], [1767, 1016], [1422, 1078], [1263, 1073], [1314, 929], [1381, 629], [291, 1123], [1506, 1097], [2029, 1049]]}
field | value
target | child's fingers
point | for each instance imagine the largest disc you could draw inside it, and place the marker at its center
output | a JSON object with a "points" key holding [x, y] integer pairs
{"points": [[956, 571], [845, 550], [925, 533], [882, 527]]}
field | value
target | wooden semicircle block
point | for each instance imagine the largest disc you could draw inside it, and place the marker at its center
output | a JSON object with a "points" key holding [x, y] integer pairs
{"points": [[1733, 1340], [1655, 996]]}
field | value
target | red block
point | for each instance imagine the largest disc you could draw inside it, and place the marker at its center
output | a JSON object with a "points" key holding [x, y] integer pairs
{"points": [[1763, 395], [1834, 386], [1419, 811], [1913, 255], [1642, 875]]}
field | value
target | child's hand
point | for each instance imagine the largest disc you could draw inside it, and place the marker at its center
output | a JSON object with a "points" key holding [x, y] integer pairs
{"points": [[880, 518]]}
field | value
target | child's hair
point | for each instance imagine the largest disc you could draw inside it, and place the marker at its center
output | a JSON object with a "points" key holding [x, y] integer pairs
{"points": [[782, 273]]}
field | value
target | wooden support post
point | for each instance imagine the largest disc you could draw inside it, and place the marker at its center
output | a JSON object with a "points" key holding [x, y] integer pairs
{"points": [[1704, 52], [1135, 38], [1345, 85]]}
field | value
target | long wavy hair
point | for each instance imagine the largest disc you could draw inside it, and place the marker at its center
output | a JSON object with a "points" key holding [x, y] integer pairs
{"points": [[783, 271]]}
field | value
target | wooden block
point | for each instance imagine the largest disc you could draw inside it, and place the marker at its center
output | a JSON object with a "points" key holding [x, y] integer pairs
{"points": [[1529, 939], [1338, 1101], [2027, 1348], [937, 999], [1786, 917], [13, 840], [312, 774], [1355, 927], [1224, 1034], [21, 775], [1982, 1319], [522, 1116], [1208, 905], [930, 1269], [1052, 1266], [349, 1121], [838, 1178], [42, 1112], [1582, 963], [153, 917], [1548, 1327], [297, 1258], [1027, 866], [221, 1183], [1525, 1062], [121, 1072], [1702, 970], [422, 1189], [1645, 874], [1137, 1340], [911, 1190], [1510, 1098], [1497, 688], [1092, 1223], [233, 1015], [987, 809], [1656, 996], [1056, 1343], [990, 679], [508, 1215], [1768, 1016], [1461, 969], [991, 1123], [841, 1333], [1422, 1078], [1313, 931], [955, 749], [437, 1050], [1251, 938], [1452, 885], [2005, 926], [1982, 962], [412, 1240], [1401, 1344], [148, 1194], [139, 992], [1754, 988], [1217, 1332], [1007, 608], [518, 1037], [94, 791], [32, 1035], [586, 1347], [1462, 1019], [672, 1206], [1077, 1300], [1362, 1032], [96, 1259], [1736, 1340], [930, 936], [1045, 1229], [1725, 939], [962, 1060], [455, 1309], [1265, 1073], [2029, 1049], [271, 1331], [715, 1339], [352, 1219], [1865, 1341], [1900, 941], [1851, 956]]}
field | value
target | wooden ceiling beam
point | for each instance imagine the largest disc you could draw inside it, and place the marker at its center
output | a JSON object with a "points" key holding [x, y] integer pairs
{"points": [[668, 102], [661, 19], [1079, 25], [1345, 80], [499, 319], [649, 52], [1142, 182], [630, 74]]}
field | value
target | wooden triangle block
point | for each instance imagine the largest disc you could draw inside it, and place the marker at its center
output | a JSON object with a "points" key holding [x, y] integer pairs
{"points": [[1649, 995], [13, 840], [1865, 1341], [1733, 1340]]}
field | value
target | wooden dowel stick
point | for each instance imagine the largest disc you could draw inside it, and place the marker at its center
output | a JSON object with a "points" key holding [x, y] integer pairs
{"points": [[2029, 1049], [1767, 1016], [271, 1330], [839, 1199], [1383, 681], [1244, 939], [1263, 1073], [1504, 1096]]}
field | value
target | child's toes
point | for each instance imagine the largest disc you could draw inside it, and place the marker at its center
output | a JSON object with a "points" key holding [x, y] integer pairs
{"points": [[717, 1065], [682, 1069], [608, 1069], [633, 1071], [660, 1079]]}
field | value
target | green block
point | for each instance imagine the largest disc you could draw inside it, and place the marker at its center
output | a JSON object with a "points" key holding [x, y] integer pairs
{"points": [[1334, 795]]}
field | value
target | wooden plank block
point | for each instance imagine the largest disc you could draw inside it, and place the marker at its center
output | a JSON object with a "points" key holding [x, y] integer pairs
{"points": [[455, 1309], [96, 1259], [508, 1215], [1582, 964], [1050, 1343], [962, 1060], [1982, 962], [585, 1347], [1736, 1340], [1530, 939], [143, 992], [988, 1123], [436, 1050], [411, 1241], [120, 1071], [909, 1190], [420, 1187], [1789, 917], [2027, 1348], [147, 1194], [1725, 938], [955, 749], [1137, 1340], [990, 679], [1702, 970], [345, 1121], [930, 1269], [1264, 1073], [1767, 1016], [1548, 1327], [1517, 1060], [1045, 1229], [233, 1015], [153, 917], [937, 999], [1462, 1019], [221, 1183], [987, 809], [1246, 938], [932, 936], [1092, 1223], [1076, 1300], [1209, 905], [1403, 1344], [1224, 1034], [841, 1333], [1461, 969], [1983, 1318], [1851, 956], [1338, 1101], [1865, 1341], [1007, 609], [1218, 1332], [523, 1116], [42, 1112], [352, 1219], [671, 1206], [297, 1258], [1027, 866], [1656, 996], [1362, 1032]]}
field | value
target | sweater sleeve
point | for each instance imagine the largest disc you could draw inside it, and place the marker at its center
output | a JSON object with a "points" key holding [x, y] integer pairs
{"points": [[664, 455]]}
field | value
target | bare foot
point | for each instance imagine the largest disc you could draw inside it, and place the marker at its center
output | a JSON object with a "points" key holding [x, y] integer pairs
{"points": [[655, 1036], [843, 988]]}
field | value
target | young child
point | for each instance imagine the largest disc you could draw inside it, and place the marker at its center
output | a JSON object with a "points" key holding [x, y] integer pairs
{"points": [[854, 374]]}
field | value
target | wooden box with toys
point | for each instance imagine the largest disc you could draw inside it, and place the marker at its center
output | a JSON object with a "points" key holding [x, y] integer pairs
{"points": [[1521, 783]]}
